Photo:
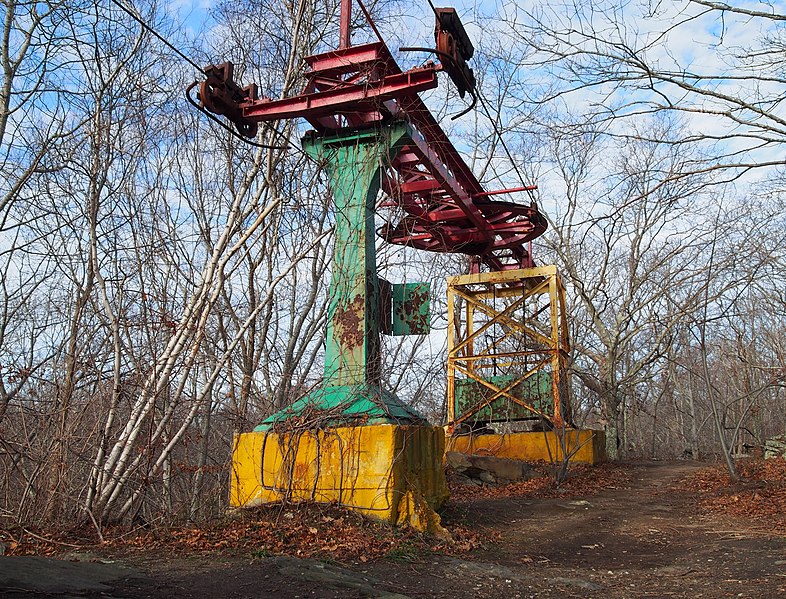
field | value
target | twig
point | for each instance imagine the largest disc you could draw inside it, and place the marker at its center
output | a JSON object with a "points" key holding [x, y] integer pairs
{"points": [[45, 540], [742, 535], [93, 520], [138, 528]]}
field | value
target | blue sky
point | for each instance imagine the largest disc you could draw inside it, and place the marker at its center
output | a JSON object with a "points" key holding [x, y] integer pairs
{"points": [[193, 14]]}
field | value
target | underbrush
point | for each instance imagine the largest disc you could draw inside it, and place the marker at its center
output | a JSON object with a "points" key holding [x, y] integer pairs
{"points": [[304, 530]]}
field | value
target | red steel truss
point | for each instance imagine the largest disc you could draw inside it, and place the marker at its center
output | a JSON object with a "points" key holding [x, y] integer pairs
{"points": [[445, 208]]}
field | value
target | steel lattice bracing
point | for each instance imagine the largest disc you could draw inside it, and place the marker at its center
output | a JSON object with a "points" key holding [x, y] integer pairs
{"points": [[446, 209], [507, 347]]}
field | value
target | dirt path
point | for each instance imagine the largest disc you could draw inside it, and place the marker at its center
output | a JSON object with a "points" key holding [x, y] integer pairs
{"points": [[641, 540]]}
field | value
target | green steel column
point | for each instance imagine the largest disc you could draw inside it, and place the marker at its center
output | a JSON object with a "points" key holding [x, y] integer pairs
{"points": [[353, 162], [351, 384]]}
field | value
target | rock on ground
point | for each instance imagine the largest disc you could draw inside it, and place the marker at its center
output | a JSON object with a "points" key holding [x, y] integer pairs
{"points": [[775, 447], [479, 470], [53, 576]]}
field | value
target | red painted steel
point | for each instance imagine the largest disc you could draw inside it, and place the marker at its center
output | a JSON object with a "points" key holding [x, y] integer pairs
{"points": [[445, 207], [345, 24], [358, 99]]}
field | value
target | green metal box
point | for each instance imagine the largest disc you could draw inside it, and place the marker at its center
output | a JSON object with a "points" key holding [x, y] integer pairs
{"points": [[411, 309], [535, 391]]}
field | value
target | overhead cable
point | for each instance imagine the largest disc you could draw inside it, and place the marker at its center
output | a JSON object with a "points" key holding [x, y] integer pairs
{"points": [[138, 18]]}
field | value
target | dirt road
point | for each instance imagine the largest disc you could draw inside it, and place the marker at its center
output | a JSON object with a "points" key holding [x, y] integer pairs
{"points": [[643, 538]]}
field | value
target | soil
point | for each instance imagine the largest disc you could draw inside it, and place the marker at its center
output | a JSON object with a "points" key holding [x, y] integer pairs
{"points": [[643, 536]]}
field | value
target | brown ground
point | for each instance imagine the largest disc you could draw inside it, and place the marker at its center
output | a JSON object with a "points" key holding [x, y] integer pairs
{"points": [[636, 530]]}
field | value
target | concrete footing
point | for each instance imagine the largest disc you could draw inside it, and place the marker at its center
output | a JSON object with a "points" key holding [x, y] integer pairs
{"points": [[388, 472], [581, 445]]}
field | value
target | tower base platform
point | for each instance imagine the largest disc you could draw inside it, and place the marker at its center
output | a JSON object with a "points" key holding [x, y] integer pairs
{"points": [[586, 446], [388, 472]]}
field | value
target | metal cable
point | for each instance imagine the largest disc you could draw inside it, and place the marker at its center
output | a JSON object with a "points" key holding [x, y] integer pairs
{"points": [[134, 15], [137, 17], [487, 112], [234, 133]]}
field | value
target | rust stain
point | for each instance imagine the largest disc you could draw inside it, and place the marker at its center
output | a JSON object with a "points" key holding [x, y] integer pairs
{"points": [[410, 310], [300, 472], [348, 322]]}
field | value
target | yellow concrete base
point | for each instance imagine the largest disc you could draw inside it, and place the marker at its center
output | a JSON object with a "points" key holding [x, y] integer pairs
{"points": [[587, 446], [388, 472]]}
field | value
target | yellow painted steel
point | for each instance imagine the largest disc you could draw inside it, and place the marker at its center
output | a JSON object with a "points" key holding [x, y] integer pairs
{"points": [[388, 472], [585, 446], [504, 276], [545, 350]]}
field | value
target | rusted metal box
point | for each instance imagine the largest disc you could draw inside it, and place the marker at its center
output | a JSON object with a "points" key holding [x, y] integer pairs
{"points": [[535, 391], [411, 306]]}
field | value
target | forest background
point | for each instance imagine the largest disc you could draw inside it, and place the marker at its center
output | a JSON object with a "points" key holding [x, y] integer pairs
{"points": [[164, 284]]}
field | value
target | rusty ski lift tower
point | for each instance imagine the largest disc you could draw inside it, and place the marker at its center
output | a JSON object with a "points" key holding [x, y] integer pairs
{"points": [[372, 132]]}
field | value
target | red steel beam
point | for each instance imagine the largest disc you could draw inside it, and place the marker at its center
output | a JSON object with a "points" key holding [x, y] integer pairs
{"points": [[497, 192], [439, 170], [339, 100], [445, 203], [350, 60], [344, 28]]}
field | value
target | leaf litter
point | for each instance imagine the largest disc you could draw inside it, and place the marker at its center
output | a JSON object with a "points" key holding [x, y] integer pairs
{"points": [[759, 498]]}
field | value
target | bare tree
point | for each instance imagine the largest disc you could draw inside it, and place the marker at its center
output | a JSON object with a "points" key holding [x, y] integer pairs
{"points": [[631, 248], [626, 63]]}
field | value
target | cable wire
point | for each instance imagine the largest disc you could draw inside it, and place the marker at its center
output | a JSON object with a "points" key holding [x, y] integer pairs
{"points": [[234, 133], [487, 112], [478, 94], [137, 17], [370, 21]]}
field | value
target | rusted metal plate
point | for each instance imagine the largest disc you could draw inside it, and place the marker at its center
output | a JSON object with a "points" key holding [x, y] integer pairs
{"points": [[411, 309], [535, 391]]}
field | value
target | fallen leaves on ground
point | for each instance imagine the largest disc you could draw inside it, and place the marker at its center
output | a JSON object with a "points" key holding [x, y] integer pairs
{"points": [[759, 498], [29, 541], [318, 531], [583, 480], [303, 530]]}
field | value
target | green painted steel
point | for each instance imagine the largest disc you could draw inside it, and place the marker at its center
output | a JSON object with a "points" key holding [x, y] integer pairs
{"points": [[353, 163], [411, 309], [351, 383], [535, 391], [385, 306], [348, 404]]}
